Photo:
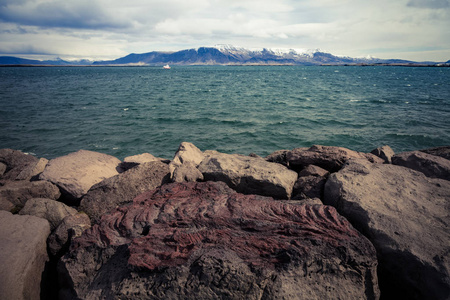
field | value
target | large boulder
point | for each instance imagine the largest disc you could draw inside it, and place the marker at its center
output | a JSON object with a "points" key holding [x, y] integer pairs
{"points": [[310, 183], [249, 175], [16, 161], [186, 153], [17, 193], [430, 165], [443, 151], [406, 216], [187, 172], [23, 255], [329, 158], [53, 211], [71, 227], [76, 172], [123, 188], [205, 241], [132, 161]]}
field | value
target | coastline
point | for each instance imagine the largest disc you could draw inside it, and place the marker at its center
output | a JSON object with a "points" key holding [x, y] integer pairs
{"points": [[341, 193]]}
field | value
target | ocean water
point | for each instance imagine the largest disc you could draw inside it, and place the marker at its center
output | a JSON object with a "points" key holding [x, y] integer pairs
{"points": [[122, 111]]}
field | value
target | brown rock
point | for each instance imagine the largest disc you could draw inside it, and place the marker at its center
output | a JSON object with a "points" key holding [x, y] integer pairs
{"points": [[15, 161], [309, 187], [204, 241], [71, 227], [328, 157], [2, 169], [76, 172], [313, 170], [122, 188], [19, 192], [406, 216], [132, 161], [53, 211], [249, 175], [187, 172], [443, 151], [23, 254], [33, 169], [430, 165], [278, 157], [384, 152]]}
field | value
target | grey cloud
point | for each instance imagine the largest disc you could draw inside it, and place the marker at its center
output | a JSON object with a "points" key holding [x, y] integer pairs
{"points": [[80, 14], [434, 4]]}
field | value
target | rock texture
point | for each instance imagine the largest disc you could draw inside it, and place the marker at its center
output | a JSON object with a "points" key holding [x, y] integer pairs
{"points": [[329, 158], [71, 227], [278, 157], [443, 151], [204, 241], [187, 172], [249, 175], [186, 153], [17, 193], [384, 152], [76, 172], [132, 161], [406, 216], [23, 254], [430, 165], [33, 170], [15, 161], [122, 188], [53, 211]]}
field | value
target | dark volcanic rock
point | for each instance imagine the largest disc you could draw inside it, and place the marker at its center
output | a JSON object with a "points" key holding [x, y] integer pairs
{"points": [[328, 157], [430, 165], [249, 175], [443, 151], [71, 227], [122, 188], [205, 241], [15, 161], [278, 157], [23, 254], [406, 216]]}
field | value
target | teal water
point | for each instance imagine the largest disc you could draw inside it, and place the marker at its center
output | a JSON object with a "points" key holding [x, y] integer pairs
{"points": [[52, 111]]}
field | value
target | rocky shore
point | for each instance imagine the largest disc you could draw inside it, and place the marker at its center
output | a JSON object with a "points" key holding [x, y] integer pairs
{"points": [[309, 223]]}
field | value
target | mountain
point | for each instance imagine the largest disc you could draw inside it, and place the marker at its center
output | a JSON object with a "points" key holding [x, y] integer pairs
{"points": [[225, 55]]}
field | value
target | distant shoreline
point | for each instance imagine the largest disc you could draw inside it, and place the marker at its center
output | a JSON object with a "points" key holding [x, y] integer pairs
{"points": [[240, 65]]}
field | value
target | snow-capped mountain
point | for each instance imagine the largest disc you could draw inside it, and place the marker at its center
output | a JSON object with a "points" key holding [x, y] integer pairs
{"points": [[228, 55]]}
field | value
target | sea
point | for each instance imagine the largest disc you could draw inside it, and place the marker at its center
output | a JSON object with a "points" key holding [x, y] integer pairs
{"points": [[123, 111]]}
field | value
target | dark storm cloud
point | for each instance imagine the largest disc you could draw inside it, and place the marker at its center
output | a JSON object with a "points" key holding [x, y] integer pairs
{"points": [[435, 4], [80, 14]]}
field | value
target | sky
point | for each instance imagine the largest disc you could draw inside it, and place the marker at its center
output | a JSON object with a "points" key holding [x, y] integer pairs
{"points": [[107, 29]]}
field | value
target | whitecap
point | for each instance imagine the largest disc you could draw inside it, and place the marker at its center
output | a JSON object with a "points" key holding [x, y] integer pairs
{"points": [[125, 109]]}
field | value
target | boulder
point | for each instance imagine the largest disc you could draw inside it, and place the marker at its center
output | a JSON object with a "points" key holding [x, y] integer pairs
{"points": [[71, 227], [443, 151], [23, 255], [132, 161], [309, 187], [76, 172], [384, 152], [278, 157], [406, 216], [16, 161], [53, 211], [32, 170], [122, 188], [187, 172], [329, 158], [19, 192], [2, 169], [188, 152], [249, 175], [205, 241], [431, 165]]}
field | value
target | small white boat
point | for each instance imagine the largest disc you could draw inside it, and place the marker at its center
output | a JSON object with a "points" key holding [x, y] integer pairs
{"points": [[167, 67]]}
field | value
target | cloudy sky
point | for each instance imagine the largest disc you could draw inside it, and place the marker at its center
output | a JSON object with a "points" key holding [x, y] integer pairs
{"points": [[105, 29]]}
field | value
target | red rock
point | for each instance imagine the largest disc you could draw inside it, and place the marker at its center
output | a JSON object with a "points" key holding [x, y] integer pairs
{"points": [[203, 240]]}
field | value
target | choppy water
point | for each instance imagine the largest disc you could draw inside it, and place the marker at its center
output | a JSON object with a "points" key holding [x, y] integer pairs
{"points": [[52, 111]]}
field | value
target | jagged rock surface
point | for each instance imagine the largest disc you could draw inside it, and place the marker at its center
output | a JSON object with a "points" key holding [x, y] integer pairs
{"points": [[329, 158], [443, 151], [385, 152], [76, 172], [205, 241], [132, 161], [187, 172], [249, 175], [71, 227], [23, 254], [430, 165], [122, 188], [406, 216]]}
